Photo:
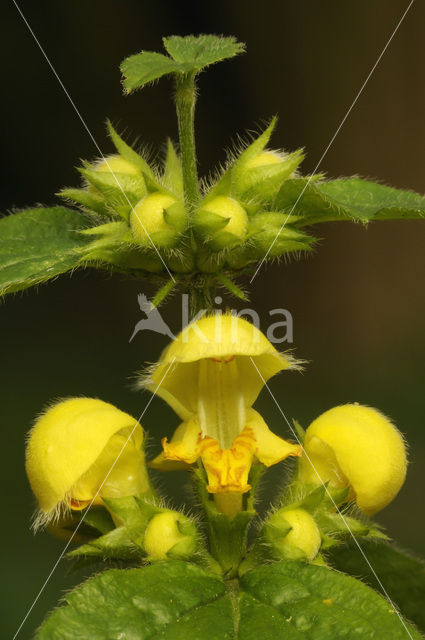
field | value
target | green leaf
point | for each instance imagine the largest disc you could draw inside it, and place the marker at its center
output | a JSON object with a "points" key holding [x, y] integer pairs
{"points": [[352, 199], [201, 51], [169, 600], [189, 54], [402, 575], [39, 244], [300, 601], [367, 200], [145, 67]]}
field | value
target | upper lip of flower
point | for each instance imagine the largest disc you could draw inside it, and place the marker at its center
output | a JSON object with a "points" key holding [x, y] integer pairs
{"points": [[218, 337]]}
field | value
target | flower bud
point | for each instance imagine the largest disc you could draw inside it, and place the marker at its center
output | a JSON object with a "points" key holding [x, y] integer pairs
{"points": [[80, 450], [116, 164], [358, 447], [264, 158], [263, 174], [170, 535], [159, 218], [223, 221], [294, 534]]}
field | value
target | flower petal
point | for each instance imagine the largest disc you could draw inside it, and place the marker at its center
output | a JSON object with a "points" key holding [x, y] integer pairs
{"points": [[216, 337], [228, 469], [270, 449], [184, 447], [65, 442]]}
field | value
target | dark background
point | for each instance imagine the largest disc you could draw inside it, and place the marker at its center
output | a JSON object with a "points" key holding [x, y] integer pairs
{"points": [[358, 303]]}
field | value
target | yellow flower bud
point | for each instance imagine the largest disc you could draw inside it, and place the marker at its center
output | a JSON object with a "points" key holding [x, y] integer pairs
{"points": [[303, 536], [148, 219], [357, 447], [229, 208], [71, 453], [116, 164], [169, 534], [263, 159]]}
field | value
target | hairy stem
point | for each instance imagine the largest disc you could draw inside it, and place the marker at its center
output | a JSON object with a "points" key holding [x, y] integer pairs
{"points": [[185, 105]]}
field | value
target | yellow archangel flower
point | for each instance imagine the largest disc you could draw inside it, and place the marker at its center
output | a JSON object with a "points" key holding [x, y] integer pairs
{"points": [[357, 447], [211, 375], [80, 450]]}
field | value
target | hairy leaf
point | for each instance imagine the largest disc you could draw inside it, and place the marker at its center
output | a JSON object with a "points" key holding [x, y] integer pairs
{"points": [[347, 199], [169, 600], [402, 575], [39, 244], [201, 51], [188, 54], [300, 601]]}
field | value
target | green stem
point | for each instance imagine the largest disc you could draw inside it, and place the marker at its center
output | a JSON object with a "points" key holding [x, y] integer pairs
{"points": [[185, 105]]}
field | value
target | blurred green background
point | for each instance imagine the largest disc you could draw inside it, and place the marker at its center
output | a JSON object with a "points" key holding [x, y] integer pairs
{"points": [[358, 303]]}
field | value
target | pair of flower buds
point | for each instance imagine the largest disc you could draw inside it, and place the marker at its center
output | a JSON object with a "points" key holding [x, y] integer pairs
{"points": [[82, 450]]}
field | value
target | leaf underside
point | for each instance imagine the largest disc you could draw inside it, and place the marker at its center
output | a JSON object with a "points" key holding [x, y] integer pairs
{"points": [[179, 601]]}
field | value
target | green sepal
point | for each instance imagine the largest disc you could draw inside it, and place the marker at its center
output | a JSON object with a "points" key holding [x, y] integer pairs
{"points": [[208, 261], [228, 537], [127, 152], [163, 293], [345, 525], [265, 181], [275, 241], [240, 256], [164, 239], [223, 240], [88, 200], [173, 174], [222, 187], [121, 190], [251, 152], [299, 431], [181, 259], [231, 286], [206, 223], [176, 216], [189, 54], [131, 515], [115, 545]]}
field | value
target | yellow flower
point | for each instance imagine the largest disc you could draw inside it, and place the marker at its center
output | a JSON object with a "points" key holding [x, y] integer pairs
{"points": [[357, 447], [211, 375], [71, 450]]}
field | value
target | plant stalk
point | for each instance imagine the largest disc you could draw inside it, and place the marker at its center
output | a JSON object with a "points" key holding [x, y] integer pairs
{"points": [[185, 106]]}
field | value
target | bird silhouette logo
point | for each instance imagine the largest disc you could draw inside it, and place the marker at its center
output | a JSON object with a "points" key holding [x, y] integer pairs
{"points": [[153, 321]]}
